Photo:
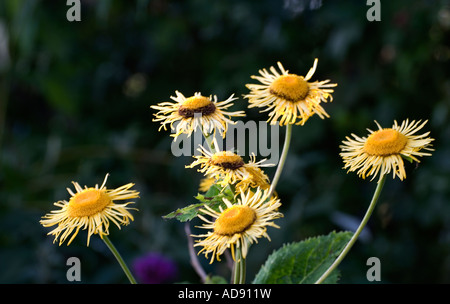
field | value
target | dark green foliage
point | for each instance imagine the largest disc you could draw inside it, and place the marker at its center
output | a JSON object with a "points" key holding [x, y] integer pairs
{"points": [[304, 262], [75, 104], [213, 198]]}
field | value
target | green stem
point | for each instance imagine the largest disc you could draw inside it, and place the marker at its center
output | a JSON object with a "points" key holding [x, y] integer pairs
{"points": [[239, 268], [119, 259], [194, 261], [243, 270], [209, 138], [358, 231], [287, 141]]}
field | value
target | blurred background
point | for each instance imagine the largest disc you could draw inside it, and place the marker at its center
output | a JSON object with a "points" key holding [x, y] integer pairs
{"points": [[75, 104]]}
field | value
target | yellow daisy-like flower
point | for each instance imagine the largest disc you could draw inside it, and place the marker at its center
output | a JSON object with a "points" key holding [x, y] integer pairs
{"points": [[239, 225], [90, 208], [291, 98], [195, 112], [206, 183], [382, 151], [227, 167]]}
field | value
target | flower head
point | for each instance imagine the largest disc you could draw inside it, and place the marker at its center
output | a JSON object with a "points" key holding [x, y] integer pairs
{"points": [[90, 208], [292, 99], [383, 150], [206, 183], [240, 224], [227, 167], [194, 112]]}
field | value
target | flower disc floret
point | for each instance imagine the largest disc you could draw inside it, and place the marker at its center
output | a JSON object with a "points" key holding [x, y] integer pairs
{"points": [[236, 219], [196, 105], [227, 160], [385, 142], [290, 87], [88, 202]]}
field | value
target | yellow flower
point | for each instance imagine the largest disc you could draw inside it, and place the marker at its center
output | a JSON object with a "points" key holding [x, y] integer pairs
{"points": [[291, 98], [206, 183], [239, 225], [195, 112], [382, 150], [227, 167], [90, 208]]}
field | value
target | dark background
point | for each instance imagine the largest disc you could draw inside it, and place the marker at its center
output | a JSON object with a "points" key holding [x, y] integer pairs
{"points": [[74, 105]]}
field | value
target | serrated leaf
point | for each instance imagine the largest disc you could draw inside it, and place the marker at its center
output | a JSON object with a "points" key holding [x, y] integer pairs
{"points": [[185, 214], [303, 262], [217, 190], [213, 198]]}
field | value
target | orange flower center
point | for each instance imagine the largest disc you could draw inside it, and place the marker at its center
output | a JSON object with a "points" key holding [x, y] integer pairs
{"points": [[290, 87], [236, 219], [196, 104], [88, 202], [385, 142], [227, 160]]}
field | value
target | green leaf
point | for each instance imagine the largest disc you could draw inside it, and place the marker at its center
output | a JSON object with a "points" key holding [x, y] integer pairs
{"points": [[213, 198], [303, 262], [216, 190], [185, 214], [215, 280], [407, 158]]}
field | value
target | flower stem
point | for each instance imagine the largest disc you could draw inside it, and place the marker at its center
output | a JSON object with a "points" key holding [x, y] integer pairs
{"points": [[119, 259], [194, 261], [239, 268], [287, 141], [358, 231], [209, 138]]}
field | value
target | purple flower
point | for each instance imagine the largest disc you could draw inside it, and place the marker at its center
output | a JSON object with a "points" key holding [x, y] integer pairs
{"points": [[154, 268]]}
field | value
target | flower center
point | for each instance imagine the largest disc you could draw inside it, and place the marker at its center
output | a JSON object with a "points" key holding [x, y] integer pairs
{"points": [[196, 104], [227, 160], [88, 202], [235, 219], [385, 142], [290, 87]]}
